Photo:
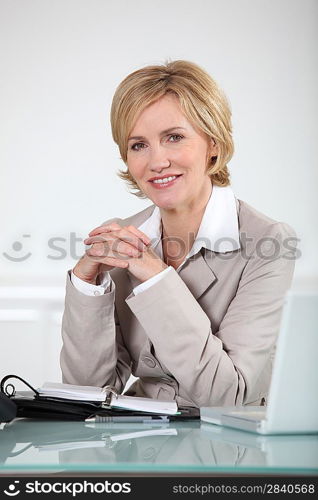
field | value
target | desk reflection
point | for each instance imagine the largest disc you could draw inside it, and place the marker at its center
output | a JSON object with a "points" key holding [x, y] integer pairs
{"points": [[185, 444]]}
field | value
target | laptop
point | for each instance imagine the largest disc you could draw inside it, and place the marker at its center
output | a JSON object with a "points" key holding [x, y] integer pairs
{"points": [[293, 397]]}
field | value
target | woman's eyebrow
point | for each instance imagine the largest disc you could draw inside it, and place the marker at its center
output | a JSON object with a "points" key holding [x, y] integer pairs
{"points": [[140, 137]]}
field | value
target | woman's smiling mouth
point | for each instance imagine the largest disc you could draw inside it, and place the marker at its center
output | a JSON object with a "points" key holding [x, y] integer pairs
{"points": [[163, 182]]}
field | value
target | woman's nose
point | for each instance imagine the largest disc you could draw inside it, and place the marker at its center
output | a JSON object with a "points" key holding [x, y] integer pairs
{"points": [[158, 159]]}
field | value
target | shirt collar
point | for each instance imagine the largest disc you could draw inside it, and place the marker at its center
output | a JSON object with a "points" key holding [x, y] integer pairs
{"points": [[218, 231]]}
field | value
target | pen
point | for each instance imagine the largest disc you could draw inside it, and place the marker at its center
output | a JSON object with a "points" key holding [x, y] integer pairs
{"points": [[125, 419]]}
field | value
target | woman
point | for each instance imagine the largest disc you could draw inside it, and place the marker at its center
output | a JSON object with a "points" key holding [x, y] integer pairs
{"points": [[187, 294]]}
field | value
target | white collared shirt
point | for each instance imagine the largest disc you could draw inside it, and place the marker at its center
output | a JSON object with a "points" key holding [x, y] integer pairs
{"points": [[218, 232]]}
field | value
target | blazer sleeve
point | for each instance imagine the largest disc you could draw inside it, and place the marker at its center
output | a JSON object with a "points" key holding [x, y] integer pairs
{"points": [[93, 351], [224, 367]]}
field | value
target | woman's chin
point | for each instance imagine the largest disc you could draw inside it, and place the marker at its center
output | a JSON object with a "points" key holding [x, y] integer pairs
{"points": [[166, 201], [167, 197]]}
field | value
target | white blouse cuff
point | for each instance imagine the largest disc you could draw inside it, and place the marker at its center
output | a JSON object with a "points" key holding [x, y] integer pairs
{"points": [[89, 289], [147, 284]]}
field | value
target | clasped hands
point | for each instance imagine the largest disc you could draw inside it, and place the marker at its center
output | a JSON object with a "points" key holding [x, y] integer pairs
{"points": [[115, 246]]}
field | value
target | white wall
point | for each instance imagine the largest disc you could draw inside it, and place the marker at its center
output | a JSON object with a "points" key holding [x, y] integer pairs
{"points": [[61, 61]]}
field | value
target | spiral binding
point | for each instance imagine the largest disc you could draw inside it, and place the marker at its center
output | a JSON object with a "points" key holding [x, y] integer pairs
{"points": [[10, 393]]}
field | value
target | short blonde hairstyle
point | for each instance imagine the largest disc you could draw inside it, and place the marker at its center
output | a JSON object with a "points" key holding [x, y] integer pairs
{"points": [[201, 100]]}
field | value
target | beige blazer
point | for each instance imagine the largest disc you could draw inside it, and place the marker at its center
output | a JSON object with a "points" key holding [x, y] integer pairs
{"points": [[204, 335]]}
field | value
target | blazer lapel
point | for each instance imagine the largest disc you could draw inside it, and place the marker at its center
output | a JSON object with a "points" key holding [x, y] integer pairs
{"points": [[198, 274]]}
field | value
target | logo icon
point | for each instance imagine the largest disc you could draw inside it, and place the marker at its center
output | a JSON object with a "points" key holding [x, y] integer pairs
{"points": [[12, 489], [17, 246]]}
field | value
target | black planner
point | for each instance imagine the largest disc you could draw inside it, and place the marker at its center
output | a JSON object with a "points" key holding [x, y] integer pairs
{"points": [[31, 404]]}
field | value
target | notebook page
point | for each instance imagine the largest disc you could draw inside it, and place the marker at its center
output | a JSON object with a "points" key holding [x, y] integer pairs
{"points": [[144, 404], [76, 392], [90, 393]]}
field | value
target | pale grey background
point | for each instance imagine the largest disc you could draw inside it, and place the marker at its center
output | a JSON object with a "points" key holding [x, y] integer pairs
{"points": [[61, 61]]}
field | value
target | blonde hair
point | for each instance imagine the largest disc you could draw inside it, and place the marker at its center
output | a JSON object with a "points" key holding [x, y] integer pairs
{"points": [[201, 100]]}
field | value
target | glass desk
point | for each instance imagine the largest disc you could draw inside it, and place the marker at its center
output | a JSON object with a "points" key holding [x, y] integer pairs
{"points": [[29, 446]]}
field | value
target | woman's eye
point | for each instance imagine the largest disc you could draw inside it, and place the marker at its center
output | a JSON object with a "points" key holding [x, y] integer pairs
{"points": [[176, 137], [136, 147]]}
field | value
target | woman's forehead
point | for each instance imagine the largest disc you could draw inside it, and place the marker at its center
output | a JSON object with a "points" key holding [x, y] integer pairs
{"points": [[161, 115]]}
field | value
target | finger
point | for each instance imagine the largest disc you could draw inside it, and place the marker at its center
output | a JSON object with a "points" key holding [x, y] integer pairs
{"points": [[103, 243], [140, 234], [122, 234], [111, 248], [110, 261], [97, 250], [113, 226], [100, 238], [134, 237]]}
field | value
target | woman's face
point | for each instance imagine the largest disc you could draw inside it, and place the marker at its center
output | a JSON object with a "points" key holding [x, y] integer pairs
{"points": [[162, 144]]}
